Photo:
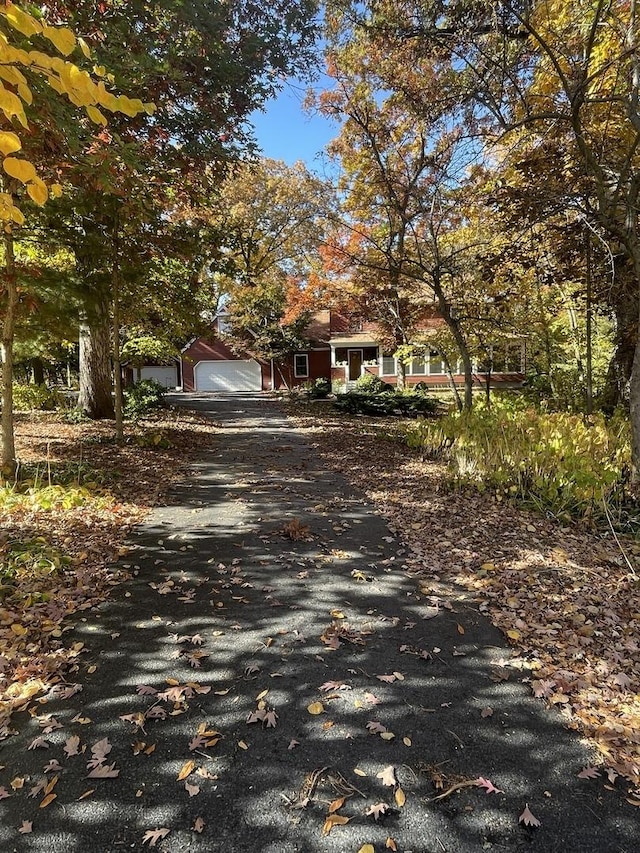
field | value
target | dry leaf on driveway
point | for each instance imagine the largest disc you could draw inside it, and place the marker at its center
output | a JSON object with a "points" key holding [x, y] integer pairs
{"points": [[152, 836]]}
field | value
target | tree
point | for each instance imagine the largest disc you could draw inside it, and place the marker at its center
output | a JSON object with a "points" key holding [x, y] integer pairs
{"points": [[207, 64], [544, 68], [400, 184], [22, 71], [270, 220]]}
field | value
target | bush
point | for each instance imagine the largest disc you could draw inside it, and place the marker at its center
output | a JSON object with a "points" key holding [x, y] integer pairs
{"points": [[405, 404], [317, 389], [142, 398], [368, 383], [552, 461], [26, 398]]}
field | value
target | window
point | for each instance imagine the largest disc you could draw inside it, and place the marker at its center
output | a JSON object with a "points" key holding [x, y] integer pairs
{"points": [[388, 365], [436, 365], [301, 366], [370, 354], [418, 367], [341, 355]]}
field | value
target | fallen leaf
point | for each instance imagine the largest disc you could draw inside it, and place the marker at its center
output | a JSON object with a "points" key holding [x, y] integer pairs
{"points": [[198, 824], [390, 844], [359, 772], [72, 746], [388, 776], [406, 741], [387, 735], [367, 848], [192, 790], [243, 745], [186, 770], [375, 727], [315, 708], [589, 773], [152, 836], [488, 786], [400, 797], [459, 628], [377, 810], [104, 771], [486, 712], [25, 827], [527, 818], [333, 820], [293, 743], [336, 804], [47, 801]]}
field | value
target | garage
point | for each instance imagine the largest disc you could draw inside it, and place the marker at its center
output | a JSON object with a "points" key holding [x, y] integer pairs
{"points": [[165, 375], [237, 375]]}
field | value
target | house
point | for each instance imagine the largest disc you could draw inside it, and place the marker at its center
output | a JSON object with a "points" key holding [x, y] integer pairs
{"points": [[340, 349]]}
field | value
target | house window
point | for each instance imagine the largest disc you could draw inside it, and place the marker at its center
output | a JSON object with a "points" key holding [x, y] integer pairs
{"points": [[418, 367], [370, 354], [301, 366], [436, 366], [388, 365]]}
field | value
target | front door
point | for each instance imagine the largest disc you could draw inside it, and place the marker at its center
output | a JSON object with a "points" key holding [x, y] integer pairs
{"points": [[355, 364]]}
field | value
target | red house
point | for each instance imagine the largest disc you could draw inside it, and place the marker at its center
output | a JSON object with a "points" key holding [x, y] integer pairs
{"points": [[338, 349]]}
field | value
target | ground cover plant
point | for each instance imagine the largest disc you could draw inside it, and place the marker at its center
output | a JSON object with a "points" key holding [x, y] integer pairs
{"points": [[564, 596], [63, 521], [560, 463]]}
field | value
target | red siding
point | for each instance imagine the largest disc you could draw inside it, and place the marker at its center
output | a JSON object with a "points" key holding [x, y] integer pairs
{"points": [[319, 368], [215, 350]]}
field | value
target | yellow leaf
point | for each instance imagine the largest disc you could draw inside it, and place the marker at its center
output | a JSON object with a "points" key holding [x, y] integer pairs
{"points": [[387, 735], [315, 708], [367, 848], [336, 804], [95, 115], [9, 142], [10, 104], [37, 191], [47, 801], [21, 170], [390, 844], [187, 770], [400, 797], [406, 741], [21, 21], [18, 629], [359, 772], [488, 567], [338, 614], [242, 744], [262, 695], [514, 634], [99, 70], [84, 47], [333, 820], [61, 37]]}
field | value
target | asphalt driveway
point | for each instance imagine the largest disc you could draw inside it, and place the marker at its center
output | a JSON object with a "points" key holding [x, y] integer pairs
{"points": [[284, 683]]}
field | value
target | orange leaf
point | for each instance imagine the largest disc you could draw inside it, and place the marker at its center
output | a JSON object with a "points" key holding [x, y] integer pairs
{"points": [[187, 770], [333, 820], [336, 804], [47, 801]]}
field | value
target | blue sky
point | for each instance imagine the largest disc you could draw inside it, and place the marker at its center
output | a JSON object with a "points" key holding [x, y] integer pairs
{"points": [[285, 132]]}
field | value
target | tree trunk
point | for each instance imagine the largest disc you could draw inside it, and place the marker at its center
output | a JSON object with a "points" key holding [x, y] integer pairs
{"points": [[589, 323], [117, 370], [452, 383], [401, 374], [37, 369], [95, 366], [9, 464]]}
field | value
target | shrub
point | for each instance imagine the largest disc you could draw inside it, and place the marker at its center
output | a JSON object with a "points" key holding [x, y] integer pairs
{"points": [[316, 389], [75, 415], [368, 383], [142, 398], [552, 461], [26, 398], [405, 404]]}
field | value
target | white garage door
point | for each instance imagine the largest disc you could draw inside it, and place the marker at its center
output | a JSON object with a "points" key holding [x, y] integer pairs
{"points": [[167, 376], [228, 376]]}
